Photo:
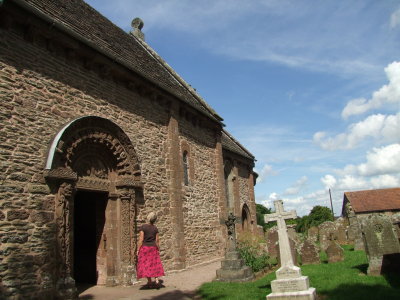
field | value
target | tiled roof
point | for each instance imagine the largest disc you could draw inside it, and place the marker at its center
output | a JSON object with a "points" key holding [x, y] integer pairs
{"points": [[131, 52], [229, 143], [374, 200]]}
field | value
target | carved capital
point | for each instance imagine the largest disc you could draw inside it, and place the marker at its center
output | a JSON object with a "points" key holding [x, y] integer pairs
{"points": [[129, 182], [61, 174]]}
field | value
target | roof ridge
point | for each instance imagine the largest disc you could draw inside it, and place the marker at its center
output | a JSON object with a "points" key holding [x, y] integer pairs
{"points": [[177, 77], [237, 143]]}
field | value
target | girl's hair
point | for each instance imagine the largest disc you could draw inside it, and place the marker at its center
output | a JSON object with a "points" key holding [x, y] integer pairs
{"points": [[151, 217]]}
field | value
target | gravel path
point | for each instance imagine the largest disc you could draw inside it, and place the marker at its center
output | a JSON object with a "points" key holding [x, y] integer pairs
{"points": [[178, 286]]}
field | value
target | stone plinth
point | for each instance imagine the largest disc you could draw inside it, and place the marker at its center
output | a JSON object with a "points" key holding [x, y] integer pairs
{"points": [[233, 269], [290, 284], [302, 295]]}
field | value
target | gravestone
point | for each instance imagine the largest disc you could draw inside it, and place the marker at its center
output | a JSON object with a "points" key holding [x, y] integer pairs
{"points": [[354, 231], [293, 234], [312, 234], [309, 253], [334, 252], [272, 242], [326, 230], [290, 284], [233, 268], [341, 225], [381, 244]]}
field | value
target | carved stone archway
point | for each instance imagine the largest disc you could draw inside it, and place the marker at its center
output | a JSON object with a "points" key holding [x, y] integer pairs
{"points": [[94, 154]]}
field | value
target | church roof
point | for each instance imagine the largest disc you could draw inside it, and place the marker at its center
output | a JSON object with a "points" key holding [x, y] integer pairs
{"points": [[229, 143], [90, 27], [374, 200]]}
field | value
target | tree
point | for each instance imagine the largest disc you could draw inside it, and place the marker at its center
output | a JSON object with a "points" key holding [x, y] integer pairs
{"points": [[261, 210], [318, 215]]}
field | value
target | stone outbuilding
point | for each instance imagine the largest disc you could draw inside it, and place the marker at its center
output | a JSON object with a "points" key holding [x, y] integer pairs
{"points": [[96, 131], [374, 217]]}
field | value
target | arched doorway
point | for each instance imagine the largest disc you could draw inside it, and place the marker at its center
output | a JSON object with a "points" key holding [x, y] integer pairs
{"points": [[94, 172], [246, 223]]}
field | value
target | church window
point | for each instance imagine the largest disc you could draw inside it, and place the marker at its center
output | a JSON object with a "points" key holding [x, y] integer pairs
{"points": [[185, 168]]}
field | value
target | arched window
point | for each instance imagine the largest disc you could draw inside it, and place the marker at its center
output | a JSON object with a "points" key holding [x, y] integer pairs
{"points": [[245, 218], [185, 168]]}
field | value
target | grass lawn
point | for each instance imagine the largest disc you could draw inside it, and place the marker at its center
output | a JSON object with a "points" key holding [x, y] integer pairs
{"points": [[336, 281]]}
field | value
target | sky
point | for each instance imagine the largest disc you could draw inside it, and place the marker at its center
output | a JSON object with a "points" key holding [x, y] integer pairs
{"points": [[310, 88]]}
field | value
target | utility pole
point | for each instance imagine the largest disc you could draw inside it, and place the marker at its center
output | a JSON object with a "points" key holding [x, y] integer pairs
{"points": [[330, 197]]}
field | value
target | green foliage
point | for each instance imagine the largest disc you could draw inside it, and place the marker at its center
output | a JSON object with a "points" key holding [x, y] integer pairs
{"points": [[261, 210], [346, 280], [251, 251], [318, 215]]}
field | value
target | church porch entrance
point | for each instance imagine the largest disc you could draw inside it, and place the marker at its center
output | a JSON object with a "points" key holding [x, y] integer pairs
{"points": [[90, 237]]}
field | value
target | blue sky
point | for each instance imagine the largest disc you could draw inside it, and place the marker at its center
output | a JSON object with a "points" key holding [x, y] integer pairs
{"points": [[311, 88]]}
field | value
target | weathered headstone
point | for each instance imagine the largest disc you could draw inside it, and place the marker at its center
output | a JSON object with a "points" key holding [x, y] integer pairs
{"points": [[326, 230], [233, 268], [272, 242], [341, 225], [382, 244], [312, 234], [309, 253], [354, 231], [334, 252], [293, 234], [290, 284]]}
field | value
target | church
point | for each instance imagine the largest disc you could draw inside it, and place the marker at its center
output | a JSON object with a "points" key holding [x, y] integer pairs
{"points": [[97, 130]]}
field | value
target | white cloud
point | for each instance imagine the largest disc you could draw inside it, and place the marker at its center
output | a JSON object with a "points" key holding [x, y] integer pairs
{"points": [[380, 128], [388, 94], [385, 181], [380, 161], [395, 19], [297, 186], [329, 181], [351, 182], [265, 172], [301, 34], [380, 170]]}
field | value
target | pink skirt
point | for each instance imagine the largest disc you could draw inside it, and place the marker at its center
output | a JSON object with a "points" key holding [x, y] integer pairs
{"points": [[149, 263]]}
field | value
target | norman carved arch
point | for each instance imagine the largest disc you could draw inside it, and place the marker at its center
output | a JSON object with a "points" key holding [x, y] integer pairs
{"points": [[95, 151], [94, 154]]}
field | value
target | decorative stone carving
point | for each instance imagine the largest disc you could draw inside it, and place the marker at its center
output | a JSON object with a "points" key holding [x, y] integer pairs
{"points": [[232, 267], [63, 221], [61, 173], [137, 25]]}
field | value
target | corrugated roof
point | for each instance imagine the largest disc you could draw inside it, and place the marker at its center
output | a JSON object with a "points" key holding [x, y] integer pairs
{"points": [[374, 200], [229, 143], [128, 50]]}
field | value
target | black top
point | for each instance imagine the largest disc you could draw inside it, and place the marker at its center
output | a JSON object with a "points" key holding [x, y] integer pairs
{"points": [[150, 233]]}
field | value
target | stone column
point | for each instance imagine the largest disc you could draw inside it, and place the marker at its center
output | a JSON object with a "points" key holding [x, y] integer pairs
{"points": [[175, 173], [127, 214], [111, 230], [64, 181]]}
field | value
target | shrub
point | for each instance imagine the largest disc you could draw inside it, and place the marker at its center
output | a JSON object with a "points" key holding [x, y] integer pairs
{"points": [[252, 251]]}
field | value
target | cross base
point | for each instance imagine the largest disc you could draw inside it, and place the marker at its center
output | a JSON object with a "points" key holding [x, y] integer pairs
{"points": [[310, 294]]}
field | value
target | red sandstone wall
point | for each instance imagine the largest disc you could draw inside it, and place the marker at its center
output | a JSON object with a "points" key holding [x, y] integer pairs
{"points": [[42, 89]]}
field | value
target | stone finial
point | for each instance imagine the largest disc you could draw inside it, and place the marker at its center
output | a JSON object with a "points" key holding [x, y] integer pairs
{"points": [[137, 25]]}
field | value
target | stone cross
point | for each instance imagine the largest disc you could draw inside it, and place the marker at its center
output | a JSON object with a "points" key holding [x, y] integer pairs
{"points": [[230, 223], [280, 216], [289, 283]]}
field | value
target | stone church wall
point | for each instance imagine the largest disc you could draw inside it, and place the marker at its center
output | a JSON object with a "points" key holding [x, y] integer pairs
{"points": [[42, 88]]}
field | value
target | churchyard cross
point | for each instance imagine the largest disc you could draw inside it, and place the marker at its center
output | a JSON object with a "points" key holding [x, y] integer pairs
{"points": [[280, 216], [289, 283]]}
